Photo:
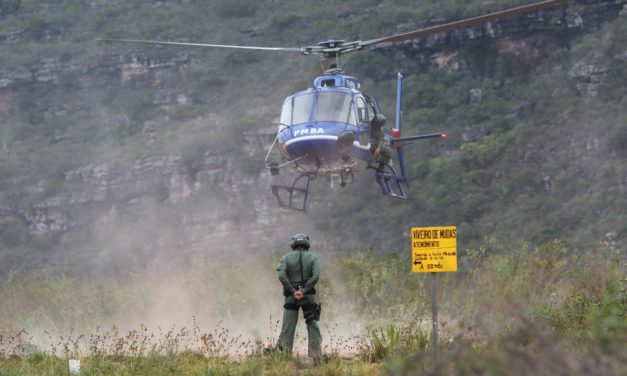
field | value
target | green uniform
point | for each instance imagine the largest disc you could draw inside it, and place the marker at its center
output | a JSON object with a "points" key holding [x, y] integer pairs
{"points": [[292, 276], [378, 140]]}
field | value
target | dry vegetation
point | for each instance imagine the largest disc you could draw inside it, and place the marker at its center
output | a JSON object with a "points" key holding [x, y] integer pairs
{"points": [[511, 309], [547, 310]]}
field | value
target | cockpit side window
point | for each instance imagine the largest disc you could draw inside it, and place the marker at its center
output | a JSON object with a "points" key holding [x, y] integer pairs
{"points": [[302, 108], [296, 110], [336, 107], [286, 113]]}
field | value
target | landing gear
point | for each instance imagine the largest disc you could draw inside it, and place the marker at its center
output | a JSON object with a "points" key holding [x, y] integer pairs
{"points": [[274, 168], [346, 177], [296, 195], [390, 182]]}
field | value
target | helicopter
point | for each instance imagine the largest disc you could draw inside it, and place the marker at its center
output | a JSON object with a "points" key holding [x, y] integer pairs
{"points": [[333, 129]]}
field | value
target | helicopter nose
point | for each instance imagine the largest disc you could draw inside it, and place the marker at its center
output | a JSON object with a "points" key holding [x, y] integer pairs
{"points": [[345, 141]]}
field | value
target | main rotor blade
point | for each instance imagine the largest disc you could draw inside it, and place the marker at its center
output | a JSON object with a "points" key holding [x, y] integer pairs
{"points": [[463, 23], [156, 42]]}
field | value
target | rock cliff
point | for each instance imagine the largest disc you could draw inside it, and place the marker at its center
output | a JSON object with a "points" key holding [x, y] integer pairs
{"points": [[213, 203]]}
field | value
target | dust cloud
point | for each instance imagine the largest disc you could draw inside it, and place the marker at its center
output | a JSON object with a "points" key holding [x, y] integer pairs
{"points": [[135, 268]]}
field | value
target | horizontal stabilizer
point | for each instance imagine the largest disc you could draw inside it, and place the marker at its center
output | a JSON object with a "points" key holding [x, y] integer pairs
{"points": [[419, 137]]}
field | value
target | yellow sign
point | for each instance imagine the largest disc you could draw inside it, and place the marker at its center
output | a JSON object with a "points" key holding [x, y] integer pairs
{"points": [[433, 249]]}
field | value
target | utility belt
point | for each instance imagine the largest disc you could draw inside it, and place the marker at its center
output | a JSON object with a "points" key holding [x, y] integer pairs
{"points": [[311, 311]]}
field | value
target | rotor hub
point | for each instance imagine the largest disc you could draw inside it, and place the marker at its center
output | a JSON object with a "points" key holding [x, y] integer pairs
{"points": [[331, 43]]}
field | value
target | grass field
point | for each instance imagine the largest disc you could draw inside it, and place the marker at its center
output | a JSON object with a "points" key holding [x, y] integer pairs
{"points": [[543, 311]]}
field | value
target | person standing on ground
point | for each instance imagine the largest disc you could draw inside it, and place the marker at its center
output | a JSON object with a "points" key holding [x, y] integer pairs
{"points": [[298, 272]]}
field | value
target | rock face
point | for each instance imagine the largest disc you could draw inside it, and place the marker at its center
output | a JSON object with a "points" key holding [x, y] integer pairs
{"points": [[528, 36], [97, 193], [588, 76], [208, 206], [102, 186]]}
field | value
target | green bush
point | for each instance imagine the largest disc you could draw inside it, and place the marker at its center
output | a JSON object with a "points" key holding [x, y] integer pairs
{"points": [[524, 180], [394, 342], [482, 153]]}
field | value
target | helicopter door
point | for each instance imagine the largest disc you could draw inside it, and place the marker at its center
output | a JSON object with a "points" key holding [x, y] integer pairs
{"points": [[364, 121]]}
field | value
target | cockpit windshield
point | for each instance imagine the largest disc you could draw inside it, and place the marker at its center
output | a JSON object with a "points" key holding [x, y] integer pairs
{"points": [[335, 106], [331, 106]]}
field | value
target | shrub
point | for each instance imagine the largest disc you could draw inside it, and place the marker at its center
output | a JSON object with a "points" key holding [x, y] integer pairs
{"points": [[395, 341], [482, 153]]}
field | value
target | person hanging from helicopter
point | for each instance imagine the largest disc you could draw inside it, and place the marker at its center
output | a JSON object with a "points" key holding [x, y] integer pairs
{"points": [[379, 144]]}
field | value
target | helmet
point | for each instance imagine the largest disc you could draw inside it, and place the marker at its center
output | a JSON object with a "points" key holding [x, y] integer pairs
{"points": [[300, 240]]}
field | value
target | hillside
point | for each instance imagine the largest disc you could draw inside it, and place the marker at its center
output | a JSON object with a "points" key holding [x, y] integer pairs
{"points": [[114, 157], [138, 232], [535, 148]]}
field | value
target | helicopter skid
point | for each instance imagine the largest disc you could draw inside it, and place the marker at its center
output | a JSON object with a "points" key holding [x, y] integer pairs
{"points": [[391, 183], [296, 195]]}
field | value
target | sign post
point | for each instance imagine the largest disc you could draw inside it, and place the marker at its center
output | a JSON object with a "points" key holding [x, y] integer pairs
{"points": [[434, 250], [434, 315]]}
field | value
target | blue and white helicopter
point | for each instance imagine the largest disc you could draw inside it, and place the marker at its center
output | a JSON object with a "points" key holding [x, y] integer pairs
{"points": [[327, 130]]}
